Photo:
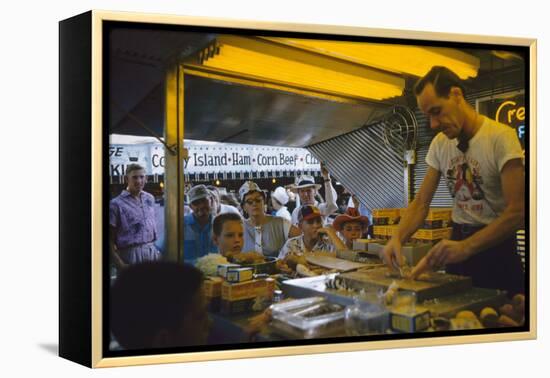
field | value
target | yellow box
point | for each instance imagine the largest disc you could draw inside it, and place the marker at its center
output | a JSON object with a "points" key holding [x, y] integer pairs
{"points": [[435, 234], [384, 231], [439, 213], [390, 230], [248, 289], [386, 213], [379, 230], [239, 274]]}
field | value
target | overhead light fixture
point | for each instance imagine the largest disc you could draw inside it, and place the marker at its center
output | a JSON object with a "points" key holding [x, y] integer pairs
{"points": [[506, 55], [273, 62], [404, 59]]}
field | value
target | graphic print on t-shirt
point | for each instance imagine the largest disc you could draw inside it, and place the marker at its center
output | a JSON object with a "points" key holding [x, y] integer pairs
{"points": [[464, 182]]}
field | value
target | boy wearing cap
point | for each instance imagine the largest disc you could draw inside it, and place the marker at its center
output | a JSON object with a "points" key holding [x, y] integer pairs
{"points": [[306, 188], [279, 198], [314, 236], [351, 226], [197, 231]]}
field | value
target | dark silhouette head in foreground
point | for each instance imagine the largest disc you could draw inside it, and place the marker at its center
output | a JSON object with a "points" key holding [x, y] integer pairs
{"points": [[159, 305]]}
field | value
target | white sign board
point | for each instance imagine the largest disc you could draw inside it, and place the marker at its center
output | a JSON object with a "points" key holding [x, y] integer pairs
{"points": [[213, 158]]}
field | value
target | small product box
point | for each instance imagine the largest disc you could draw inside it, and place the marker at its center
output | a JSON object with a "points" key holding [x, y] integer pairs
{"points": [[223, 268], [405, 321], [246, 296], [436, 234], [440, 213], [413, 253], [384, 232], [379, 231], [234, 275], [384, 217], [376, 248], [363, 244]]}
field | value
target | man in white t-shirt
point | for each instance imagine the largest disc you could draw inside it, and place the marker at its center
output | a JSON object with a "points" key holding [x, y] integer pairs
{"points": [[481, 161]]}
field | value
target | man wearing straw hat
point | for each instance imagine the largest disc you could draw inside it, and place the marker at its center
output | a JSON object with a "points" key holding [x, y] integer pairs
{"points": [[307, 189]]}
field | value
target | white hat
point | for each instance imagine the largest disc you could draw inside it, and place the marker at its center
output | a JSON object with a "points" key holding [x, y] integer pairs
{"points": [[247, 187], [305, 181], [280, 195]]}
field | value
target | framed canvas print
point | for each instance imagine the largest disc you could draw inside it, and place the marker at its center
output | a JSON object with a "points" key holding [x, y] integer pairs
{"points": [[234, 189]]}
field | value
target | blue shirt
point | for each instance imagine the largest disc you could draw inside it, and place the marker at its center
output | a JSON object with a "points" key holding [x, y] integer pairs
{"points": [[365, 212], [133, 219], [197, 241]]}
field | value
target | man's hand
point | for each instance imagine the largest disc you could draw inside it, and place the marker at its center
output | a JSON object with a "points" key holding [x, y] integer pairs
{"points": [[355, 201], [443, 253], [391, 254], [324, 171]]}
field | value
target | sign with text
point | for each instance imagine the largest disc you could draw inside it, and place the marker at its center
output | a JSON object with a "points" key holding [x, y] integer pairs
{"points": [[507, 109], [214, 158]]}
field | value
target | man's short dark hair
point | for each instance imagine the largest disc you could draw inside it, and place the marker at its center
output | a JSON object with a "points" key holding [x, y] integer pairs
{"points": [[133, 167], [220, 220], [442, 78], [149, 297]]}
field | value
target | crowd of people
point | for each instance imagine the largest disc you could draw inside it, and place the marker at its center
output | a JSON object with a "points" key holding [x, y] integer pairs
{"points": [[271, 233]]}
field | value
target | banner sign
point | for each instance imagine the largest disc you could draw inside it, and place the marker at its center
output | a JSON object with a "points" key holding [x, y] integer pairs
{"points": [[214, 158]]}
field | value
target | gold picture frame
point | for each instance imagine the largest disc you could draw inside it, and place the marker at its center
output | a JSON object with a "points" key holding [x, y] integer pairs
{"points": [[82, 226]]}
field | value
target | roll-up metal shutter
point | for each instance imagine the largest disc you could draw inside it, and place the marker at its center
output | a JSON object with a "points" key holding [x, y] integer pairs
{"points": [[442, 197], [365, 166]]}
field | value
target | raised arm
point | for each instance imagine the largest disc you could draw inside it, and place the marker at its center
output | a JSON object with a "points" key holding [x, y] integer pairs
{"points": [[330, 205]]}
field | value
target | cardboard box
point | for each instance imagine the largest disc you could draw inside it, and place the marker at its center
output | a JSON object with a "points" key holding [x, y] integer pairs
{"points": [[413, 253], [247, 296], [440, 213], [239, 274], [385, 217], [223, 268], [248, 289], [363, 244], [386, 213], [376, 248], [432, 224], [436, 234], [245, 305], [384, 232], [418, 320]]}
